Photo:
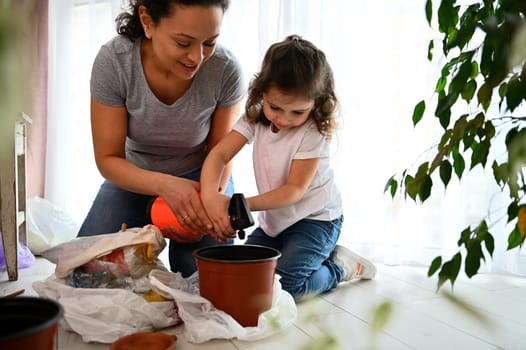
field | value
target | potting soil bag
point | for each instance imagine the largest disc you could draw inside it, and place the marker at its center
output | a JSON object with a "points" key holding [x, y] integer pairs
{"points": [[102, 283]]}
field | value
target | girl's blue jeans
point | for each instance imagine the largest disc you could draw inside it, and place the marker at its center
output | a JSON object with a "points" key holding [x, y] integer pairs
{"points": [[114, 206], [305, 266]]}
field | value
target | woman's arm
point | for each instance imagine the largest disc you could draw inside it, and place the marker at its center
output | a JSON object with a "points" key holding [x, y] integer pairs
{"points": [[302, 172], [109, 130]]}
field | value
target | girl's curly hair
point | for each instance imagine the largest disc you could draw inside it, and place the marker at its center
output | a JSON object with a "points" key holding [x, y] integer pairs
{"points": [[296, 66]]}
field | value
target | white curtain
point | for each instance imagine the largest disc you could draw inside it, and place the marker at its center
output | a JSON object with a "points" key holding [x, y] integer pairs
{"points": [[378, 52]]}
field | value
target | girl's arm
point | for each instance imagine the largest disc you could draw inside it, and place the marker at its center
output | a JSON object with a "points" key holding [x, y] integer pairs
{"points": [[212, 174], [222, 122], [302, 172]]}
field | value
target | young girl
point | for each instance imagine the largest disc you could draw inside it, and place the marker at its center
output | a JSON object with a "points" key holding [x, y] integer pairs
{"points": [[289, 118]]}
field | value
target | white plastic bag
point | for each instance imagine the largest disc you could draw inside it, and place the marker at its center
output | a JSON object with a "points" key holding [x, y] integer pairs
{"points": [[203, 322], [104, 315], [47, 225]]}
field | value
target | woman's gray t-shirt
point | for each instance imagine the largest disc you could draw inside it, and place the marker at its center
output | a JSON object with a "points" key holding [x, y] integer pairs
{"points": [[165, 138]]}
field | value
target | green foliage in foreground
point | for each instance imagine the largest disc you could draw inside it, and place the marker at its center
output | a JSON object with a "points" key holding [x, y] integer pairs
{"points": [[489, 72]]}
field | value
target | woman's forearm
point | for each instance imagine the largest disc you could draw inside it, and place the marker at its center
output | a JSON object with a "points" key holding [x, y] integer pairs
{"points": [[126, 175]]}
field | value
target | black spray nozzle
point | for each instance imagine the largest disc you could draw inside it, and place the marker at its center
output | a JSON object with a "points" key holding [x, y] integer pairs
{"points": [[240, 215]]}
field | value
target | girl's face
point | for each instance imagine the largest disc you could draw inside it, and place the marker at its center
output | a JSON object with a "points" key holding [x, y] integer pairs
{"points": [[182, 42], [286, 110]]}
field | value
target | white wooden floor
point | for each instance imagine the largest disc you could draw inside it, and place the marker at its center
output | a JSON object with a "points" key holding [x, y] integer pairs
{"points": [[421, 318]]}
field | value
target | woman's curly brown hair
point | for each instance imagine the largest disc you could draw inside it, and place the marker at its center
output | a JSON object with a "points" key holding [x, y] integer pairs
{"points": [[295, 66], [129, 24]]}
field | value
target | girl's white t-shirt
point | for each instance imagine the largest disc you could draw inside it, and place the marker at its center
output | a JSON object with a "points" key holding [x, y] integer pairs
{"points": [[273, 154]]}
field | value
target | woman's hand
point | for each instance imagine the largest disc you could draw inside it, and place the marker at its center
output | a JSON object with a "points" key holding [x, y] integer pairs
{"points": [[216, 205], [183, 198]]}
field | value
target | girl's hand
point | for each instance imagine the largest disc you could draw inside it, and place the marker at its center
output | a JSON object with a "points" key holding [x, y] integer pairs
{"points": [[216, 205], [183, 198]]}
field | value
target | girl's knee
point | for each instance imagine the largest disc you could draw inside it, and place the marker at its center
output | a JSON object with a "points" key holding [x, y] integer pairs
{"points": [[293, 286]]}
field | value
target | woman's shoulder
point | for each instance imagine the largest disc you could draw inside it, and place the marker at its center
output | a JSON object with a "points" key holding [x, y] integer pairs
{"points": [[119, 44], [224, 57]]}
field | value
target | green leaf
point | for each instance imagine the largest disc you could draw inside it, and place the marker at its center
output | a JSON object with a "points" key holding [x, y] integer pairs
{"points": [[474, 69], [324, 341], [480, 153], [435, 265], [441, 84], [443, 110], [444, 140], [500, 173], [425, 188], [459, 128], [445, 172], [410, 187], [515, 93], [468, 23], [484, 95], [381, 316], [490, 243], [486, 59], [392, 186], [515, 239], [447, 67], [459, 80], [464, 236], [502, 90], [450, 40], [489, 129], [473, 257], [429, 11], [447, 15], [469, 90], [478, 121], [450, 270], [512, 133], [513, 210], [482, 230], [418, 112], [458, 164], [468, 139], [430, 50]]}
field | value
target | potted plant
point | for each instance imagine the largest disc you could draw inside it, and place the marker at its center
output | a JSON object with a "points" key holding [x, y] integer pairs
{"points": [[484, 77]]}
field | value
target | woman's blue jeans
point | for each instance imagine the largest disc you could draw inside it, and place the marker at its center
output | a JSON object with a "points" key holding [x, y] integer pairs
{"points": [[305, 266], [114, 206]]}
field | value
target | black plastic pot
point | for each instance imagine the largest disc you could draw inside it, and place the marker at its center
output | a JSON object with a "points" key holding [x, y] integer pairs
{"points": [[29, 323]]}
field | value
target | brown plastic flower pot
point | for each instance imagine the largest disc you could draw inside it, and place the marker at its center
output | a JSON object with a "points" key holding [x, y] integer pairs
{"points": [[29, 323], [145, 341], [238, 279]]}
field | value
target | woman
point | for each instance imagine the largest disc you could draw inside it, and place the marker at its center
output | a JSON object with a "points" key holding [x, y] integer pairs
{"points": [[163, 93]]}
